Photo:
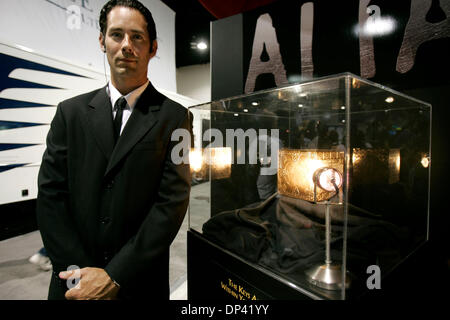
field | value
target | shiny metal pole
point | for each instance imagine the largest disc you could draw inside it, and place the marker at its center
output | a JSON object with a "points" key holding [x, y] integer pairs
{"points": [[327, 233], [327, 276]]}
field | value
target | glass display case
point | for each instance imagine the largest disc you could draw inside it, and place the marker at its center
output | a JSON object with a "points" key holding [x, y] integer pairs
{"points": [[324, 184]]}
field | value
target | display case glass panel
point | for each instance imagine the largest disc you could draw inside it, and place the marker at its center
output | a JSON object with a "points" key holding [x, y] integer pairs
{"points": [[316, 182]]}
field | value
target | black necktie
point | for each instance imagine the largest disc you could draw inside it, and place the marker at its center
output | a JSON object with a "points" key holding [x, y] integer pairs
{"points": [[120, 104]]}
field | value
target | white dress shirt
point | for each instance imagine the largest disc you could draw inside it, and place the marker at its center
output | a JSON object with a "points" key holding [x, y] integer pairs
{"points": [[131, 98]]}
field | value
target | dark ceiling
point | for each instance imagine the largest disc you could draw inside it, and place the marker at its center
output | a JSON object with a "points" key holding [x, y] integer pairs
{"points": [[192, 24]]}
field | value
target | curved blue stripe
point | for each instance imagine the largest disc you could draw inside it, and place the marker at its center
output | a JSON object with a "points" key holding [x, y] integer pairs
{"points": [[12, 166], [8, 103], [6, 83], [10, 63], [5, 125], [10, 146]]}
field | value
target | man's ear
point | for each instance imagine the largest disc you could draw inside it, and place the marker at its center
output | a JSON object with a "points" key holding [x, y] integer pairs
{"points": [[101, 39], [153, 48]]}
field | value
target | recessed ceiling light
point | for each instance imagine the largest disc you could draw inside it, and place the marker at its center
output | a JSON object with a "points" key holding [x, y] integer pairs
{"points": [[202, 46], [255, 103], [300, 105], [236, 115], [389, 99], [245, 110]]}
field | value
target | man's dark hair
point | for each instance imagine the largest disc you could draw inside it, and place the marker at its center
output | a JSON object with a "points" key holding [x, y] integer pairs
{"points": [[134, 4]]}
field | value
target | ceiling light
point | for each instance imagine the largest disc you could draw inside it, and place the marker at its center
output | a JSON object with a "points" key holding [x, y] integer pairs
{"points": [[255, 103], [378, 26], [202, 46], [389, 99]]}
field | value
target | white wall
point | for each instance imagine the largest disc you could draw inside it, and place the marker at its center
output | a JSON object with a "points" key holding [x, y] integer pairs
{"points": [[195, 82]]}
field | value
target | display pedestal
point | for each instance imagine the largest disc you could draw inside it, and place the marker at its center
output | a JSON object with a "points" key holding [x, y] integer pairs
{"points": [[217, 274]]}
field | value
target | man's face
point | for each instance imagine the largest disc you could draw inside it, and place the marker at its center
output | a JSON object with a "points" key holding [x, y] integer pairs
{"points": [[127, 44]]}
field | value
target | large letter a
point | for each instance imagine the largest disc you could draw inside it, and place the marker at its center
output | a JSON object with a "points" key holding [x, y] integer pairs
{"points": [[265, 35]]}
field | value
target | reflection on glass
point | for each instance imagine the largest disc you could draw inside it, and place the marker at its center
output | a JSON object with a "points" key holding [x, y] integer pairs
{"points": [[375, 166], [196, 160], [214, 161], [424, 161]]}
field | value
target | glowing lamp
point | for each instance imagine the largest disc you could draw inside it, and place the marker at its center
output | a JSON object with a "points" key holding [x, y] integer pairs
{"points": [[301, 171], [328, 179], [315, 175]]}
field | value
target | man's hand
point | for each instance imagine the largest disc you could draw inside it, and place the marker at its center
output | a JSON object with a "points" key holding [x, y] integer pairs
{"points": [[95, 284]]}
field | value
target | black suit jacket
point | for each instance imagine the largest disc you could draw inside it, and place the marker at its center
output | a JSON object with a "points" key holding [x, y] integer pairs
{"points": [[116, 207]]}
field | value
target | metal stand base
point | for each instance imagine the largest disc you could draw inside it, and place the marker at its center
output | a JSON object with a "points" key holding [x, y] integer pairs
{"points": [[327, 276]]}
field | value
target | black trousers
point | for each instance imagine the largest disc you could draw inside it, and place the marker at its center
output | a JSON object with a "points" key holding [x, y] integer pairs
{"points": [[58, 288]]}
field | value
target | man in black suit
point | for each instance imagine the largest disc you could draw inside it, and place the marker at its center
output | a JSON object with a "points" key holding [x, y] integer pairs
{"points": [[111, 200]]}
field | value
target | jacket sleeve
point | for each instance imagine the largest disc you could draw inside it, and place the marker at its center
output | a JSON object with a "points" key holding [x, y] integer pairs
{"points": [[161, 224], [53, 213]]}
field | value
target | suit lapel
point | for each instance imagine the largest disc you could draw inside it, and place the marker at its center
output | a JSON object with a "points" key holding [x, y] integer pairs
{"points": [[99, 120], [140, 122]]}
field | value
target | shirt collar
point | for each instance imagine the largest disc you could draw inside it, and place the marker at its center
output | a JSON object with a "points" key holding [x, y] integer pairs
{"points": [[131, 97]]}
